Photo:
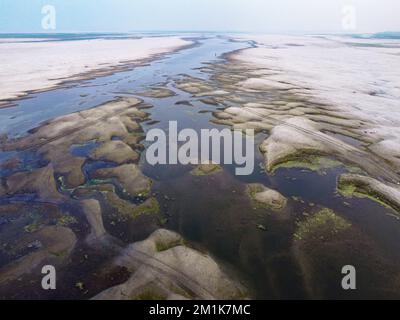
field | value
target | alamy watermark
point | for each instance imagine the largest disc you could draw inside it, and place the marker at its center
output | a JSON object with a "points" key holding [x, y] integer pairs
{"points": [[349, 280], [204, 148], [349, 17], [49, 280], [49, 17]]}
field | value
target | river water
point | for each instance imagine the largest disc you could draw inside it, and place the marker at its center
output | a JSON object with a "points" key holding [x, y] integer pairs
{"points": [[214, 212]]}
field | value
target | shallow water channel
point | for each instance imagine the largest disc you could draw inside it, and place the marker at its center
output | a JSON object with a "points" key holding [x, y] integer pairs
{"points": [[214, 212]]}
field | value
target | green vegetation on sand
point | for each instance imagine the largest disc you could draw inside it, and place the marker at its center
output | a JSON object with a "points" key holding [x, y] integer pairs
{"points": [[322, 225]]}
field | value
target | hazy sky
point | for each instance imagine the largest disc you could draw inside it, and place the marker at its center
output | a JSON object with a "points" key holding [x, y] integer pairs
{"points": [[194, 15]]}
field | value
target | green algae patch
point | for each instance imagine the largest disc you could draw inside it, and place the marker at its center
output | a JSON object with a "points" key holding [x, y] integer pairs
{"points": [[123, 207], [150, 294], [66, 220], [323, 225], [206, 169], [351, 185], [80, 285], [253, 189], [265, 198], [165, 245], [151, 206], [145, 192], [348, 190], [306, 161]]}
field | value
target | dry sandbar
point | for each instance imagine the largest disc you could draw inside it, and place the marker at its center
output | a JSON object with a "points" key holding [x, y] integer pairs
{"points": [[36, 66]]}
